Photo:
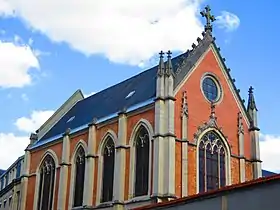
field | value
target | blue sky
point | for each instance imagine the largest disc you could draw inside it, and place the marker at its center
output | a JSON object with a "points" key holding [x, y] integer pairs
{"points": [[49, 50]]}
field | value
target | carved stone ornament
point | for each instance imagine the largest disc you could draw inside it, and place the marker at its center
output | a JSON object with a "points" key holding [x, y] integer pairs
{"points": [[185, 111], [212, 123], [240, 124]]}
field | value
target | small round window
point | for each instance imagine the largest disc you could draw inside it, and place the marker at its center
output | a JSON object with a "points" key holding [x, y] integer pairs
{"points": [[210, 88]]}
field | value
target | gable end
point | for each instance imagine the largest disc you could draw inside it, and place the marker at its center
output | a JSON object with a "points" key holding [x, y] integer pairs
{"points": [[231, 83]]}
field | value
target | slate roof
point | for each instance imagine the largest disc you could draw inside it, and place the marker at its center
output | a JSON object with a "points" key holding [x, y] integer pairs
{"points": [[2, 171], [110, 101], [266, 173], [107, 103]]}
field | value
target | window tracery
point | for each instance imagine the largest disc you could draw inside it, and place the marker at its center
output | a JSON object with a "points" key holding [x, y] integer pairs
{"points": [[212, 164], [79, 177], [108, 170], [46, 186], [142, 144]]}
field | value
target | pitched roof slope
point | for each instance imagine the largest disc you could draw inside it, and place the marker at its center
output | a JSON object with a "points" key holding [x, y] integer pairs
{"points": [[112, 100], [266, 173], [2, 171], [141, 87]]}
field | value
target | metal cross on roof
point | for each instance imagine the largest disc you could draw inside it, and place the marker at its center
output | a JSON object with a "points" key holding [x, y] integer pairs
{"points": [[209, 18], [169, 53], [161, 53]]}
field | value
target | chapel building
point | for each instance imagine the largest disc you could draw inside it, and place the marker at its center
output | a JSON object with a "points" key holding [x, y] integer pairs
{"points": [[177, 129]]}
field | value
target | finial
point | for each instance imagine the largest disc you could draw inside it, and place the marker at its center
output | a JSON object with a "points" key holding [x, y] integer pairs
{"points": [[169, 53], [161, 64], [161, 53], [168, 67], [67, 132], [185, 111], [33, 138], [251, 100], [240, 123], [209, 18], [251, 90], [94, 120]]}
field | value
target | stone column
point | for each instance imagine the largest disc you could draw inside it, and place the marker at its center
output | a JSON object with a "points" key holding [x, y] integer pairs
{"points": [[24, 181], [26, 173], [254, 135], [169, 141], [241, 148], [160, 119], [90, 165], [257, 169], [64, 167], [184, 128], [119, 172]]}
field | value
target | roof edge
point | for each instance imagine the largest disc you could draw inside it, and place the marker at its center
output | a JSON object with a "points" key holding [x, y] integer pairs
{"points": [[59, 113], [228, 188], [12, 165], [232, 81], [101, 120]]}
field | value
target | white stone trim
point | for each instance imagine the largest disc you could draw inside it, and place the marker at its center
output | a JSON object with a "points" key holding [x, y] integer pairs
{"points": [[90, 166], [149, 128], [242, 170], [227, 154], [82, 144], [37, 183], [111, 134], [185, 169], [215, 79], [120, 160], [238, 102]]}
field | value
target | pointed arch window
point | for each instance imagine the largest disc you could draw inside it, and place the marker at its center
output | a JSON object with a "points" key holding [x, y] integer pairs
{"points": [[142, 144], [79, 177], [212, 165], [46, 185], [108, 170]]}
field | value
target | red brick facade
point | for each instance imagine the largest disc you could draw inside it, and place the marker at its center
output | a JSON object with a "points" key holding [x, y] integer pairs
{"points": [[199, 110]]}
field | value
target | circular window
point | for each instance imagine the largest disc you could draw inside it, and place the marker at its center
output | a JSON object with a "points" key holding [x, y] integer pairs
{"points": [[210, 89]]}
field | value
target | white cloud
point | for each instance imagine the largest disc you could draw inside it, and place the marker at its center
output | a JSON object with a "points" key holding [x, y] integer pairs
{"points": [[16, 62], [11, 142], [32, 123], [39, 53], [270, 153], [11, 147], [124, 31], [24, 97], [228, 21], [30, 41], [6, 8]]}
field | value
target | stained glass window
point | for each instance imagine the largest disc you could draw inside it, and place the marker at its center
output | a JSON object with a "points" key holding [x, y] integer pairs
{"points": [[46, 186], [79, 177], [212, 173], [210, 89], [142, 162], [108, 170]]}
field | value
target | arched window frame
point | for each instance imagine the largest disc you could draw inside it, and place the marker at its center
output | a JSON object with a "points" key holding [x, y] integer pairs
{"points": [[227, 156], [36, 194], [110, 134], [82, 144], [132, 176]]}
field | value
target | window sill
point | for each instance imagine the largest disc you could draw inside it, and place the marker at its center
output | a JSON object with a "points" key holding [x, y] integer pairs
{"points": [[105, 204], [139, 198]]}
